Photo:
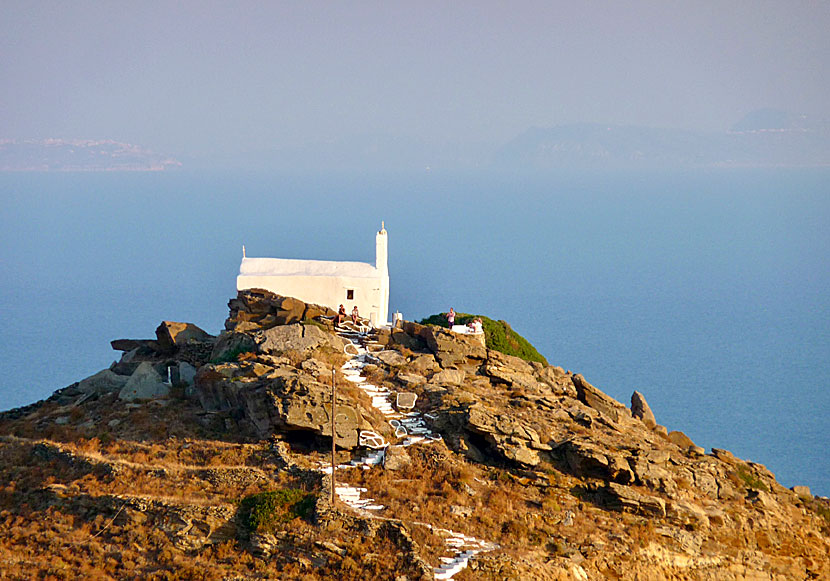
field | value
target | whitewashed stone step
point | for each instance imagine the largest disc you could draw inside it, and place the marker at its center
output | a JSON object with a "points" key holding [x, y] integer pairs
{"points": [[449, 571]]}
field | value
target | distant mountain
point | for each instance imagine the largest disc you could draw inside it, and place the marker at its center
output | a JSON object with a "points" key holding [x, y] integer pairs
{"points": [[79, 155], [765, 139]]}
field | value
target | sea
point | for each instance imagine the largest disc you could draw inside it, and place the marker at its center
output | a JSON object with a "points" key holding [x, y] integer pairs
{"points": [[707, 290]]}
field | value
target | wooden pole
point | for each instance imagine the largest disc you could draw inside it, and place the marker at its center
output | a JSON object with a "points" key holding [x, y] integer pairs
{"points": [[333, 433]]}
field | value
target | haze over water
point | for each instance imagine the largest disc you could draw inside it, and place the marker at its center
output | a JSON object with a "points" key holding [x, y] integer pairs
{"points": [[706, 290]]}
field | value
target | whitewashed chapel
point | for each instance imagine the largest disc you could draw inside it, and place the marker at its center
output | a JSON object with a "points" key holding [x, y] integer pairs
{"points": [[325, 282]]}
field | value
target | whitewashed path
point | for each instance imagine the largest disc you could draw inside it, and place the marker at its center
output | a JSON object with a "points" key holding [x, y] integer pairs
{"points": [[410, 428]]}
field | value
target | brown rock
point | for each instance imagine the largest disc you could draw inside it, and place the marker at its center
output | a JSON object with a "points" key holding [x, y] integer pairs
{"points": [[298, 337], [287, 400], [449, 377], [592, 397], [451, 349], [424, 364], [258, 309], [411, 380], [803, 492], [687, 514], [509, 437], [231, 344], [682, 440], [401, 337], [396, 458], [513, 371], [587, 459], [131, 344], [391, 358], [641, 410], [171, 335], [625, 498]]}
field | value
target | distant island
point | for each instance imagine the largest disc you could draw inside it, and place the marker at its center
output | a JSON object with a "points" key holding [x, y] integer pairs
{"points": [[79, 155], [765, 138]]}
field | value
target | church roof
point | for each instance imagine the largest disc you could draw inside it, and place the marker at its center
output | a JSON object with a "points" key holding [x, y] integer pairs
{"points": [[294, 267]]}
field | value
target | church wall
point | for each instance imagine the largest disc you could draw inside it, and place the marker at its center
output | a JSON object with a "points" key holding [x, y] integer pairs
{"points": [[328, 291]]}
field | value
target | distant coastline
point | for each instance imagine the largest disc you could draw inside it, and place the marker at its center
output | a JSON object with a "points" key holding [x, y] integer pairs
{"points": [[77, 155]]}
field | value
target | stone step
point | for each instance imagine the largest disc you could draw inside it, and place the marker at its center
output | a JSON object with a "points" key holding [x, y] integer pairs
{"points": [[450, 570]]}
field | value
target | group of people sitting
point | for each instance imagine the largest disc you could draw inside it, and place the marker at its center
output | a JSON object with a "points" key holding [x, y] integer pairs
{"points": [[341, 315]]}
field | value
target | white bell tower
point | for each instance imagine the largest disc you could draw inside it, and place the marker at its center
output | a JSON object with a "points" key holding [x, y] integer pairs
{"points": [[381, 256]]}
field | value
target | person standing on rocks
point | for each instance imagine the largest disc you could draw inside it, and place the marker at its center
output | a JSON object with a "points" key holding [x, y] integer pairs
{"points": [[451, 318]]}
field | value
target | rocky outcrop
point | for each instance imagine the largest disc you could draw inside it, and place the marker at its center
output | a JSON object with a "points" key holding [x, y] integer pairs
{"points": [[592, 397], [641, 410], [265, 399], [569, 481], [297, 337], [685, 443], [587, 459], [451, 350], [144, 383], [625, 498], [508, 437], [259, 309], [171, 335], [104, 381], [230, 344]]}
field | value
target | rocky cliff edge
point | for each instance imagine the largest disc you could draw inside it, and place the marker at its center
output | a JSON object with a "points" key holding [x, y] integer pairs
{"points": [[141, 469]]}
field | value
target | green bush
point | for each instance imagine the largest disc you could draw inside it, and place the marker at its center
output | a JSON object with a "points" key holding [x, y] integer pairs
{"points": [[265, 511], [497, 334], [230, 356], [751, 480]]}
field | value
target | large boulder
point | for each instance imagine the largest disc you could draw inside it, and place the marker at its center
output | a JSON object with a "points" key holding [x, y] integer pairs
{"points": [[147, 345], [103, 382], [449, 377], [144, 383], [171, 335], [391, 358], [592, 397], [511, 370], [424, 364], [680, 439], [298, 337], [258, 309], [452, 349], [230, 344], [641, 410]]}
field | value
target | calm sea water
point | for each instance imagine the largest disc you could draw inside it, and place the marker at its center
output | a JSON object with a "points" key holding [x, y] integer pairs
{"points": [[708, 291]]}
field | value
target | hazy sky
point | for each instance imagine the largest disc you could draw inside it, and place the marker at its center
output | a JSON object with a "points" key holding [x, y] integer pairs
{"points": [[195, 77]]}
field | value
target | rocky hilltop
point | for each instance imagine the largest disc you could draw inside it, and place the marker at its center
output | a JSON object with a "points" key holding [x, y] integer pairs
{"points": [[209, 457]]}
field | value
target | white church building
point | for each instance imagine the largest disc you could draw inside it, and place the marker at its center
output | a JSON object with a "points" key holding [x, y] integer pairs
{"points": [[325, 282]]}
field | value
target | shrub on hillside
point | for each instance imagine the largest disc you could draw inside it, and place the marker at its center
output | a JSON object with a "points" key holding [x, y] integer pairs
{"points": [[497, 334], [264, 512]]}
